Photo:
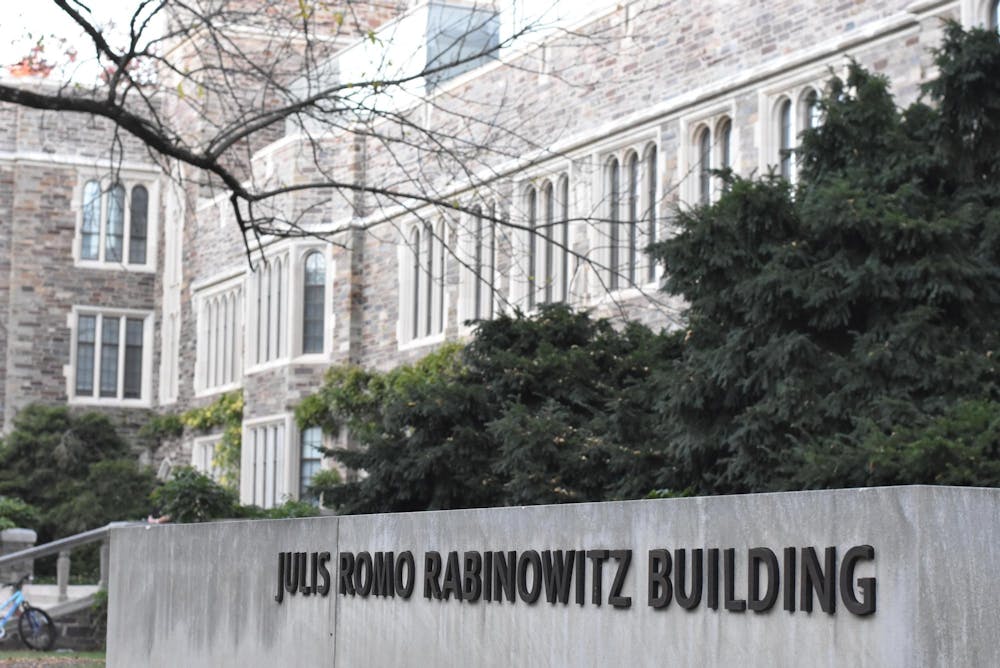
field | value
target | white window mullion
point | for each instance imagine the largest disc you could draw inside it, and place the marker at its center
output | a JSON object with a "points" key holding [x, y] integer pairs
{"points": [[281, 345], [237, 336], [219, 310], [226, 327], [272, 312]]}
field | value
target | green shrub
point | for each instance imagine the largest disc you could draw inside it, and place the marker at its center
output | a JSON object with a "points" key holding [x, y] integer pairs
{"points": [[959, 447], [324, 481], [16, 513], [289, 509], [74, 469], [226, 413], [160, 427], [190, 496]]}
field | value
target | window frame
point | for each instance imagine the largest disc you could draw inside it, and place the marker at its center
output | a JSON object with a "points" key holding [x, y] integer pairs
{"points": [[300, 491], [282, 483], [227, 287], [423, 298], [707, 120], [199, 446], [542, 249], [129, 181], [287, 257], [479, 288], [70, 370], [797, 94], [614, 278]]}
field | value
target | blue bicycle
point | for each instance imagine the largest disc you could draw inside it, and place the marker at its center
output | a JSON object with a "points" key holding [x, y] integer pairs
{"points": [[34, 625]]}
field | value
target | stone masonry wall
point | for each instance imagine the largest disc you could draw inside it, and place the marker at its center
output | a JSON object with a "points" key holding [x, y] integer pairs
{"points": [[39, 283]]}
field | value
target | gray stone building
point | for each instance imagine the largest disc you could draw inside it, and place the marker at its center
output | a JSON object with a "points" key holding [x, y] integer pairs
{"points": [[139, 296]]}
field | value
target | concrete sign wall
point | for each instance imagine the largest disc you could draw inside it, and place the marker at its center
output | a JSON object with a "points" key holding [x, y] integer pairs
{"points": [[900, 576]]}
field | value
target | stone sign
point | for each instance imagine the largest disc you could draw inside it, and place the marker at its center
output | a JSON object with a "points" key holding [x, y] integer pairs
{"points": [[883, 577]]}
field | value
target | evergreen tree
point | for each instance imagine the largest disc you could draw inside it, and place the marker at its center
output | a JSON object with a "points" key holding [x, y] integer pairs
{"points": [[863, 298], [74, 468], [548, 409]]}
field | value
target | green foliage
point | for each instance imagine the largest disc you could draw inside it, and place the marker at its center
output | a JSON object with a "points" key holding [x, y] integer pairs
{"points": [[162, 427], [191, 496], [548, 409], [16, 513], [74, 468], [864, 298], [289, 509], [959, 447], [323, 482], [226, 413], [113, 489], [99, 617]]}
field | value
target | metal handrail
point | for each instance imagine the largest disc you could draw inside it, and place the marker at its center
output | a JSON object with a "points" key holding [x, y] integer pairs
{"points": [[65, 544]]}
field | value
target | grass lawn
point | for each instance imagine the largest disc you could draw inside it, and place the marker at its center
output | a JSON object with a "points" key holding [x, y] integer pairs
{"points": [[29, 659]]}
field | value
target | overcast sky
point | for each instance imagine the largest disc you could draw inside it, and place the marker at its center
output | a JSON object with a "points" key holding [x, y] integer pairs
{"points": [[24, 21]]}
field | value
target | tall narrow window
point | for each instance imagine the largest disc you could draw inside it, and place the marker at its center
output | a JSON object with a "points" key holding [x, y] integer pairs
{"points": [[704, 167], [491, 255], [313, 297], [264, 461], [532, 245], [995, 16], [725, 144], [268, 315], [478, 263], [138, 227], [261, 304], [415, 275], [810, 110], [785, 138], [441, 278], [279, 312], [546, 273], [634, 190], [564, 252], [109, 357], [310, 461], [477, 272], [651, 178], [266, 333], [133, 359], [90, 231], [429, 267], [114, 232], [614, 218], [86, 331]]}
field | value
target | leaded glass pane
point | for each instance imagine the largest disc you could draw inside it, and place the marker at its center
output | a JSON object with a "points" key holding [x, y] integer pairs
{"points": [[532, 244], [133, 359], [90, 230], [85, 337], [312, 304], [785, 138], [614, 189], [705, 167], [310, 461], [137, 229], [114, 233], [109, 357]]}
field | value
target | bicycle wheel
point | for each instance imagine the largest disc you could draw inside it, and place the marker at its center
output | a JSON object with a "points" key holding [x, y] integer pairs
{"points": [[36, 628]]}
